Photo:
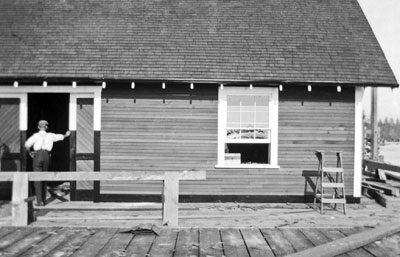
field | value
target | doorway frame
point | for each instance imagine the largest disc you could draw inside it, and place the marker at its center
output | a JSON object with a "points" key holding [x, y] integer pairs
{"points": [[75, 92]]}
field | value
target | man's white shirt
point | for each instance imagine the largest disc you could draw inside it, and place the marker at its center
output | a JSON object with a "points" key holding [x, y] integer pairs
{"points": [[43, 140]]}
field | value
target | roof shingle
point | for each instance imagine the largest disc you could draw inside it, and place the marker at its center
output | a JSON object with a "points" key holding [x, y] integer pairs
{"points": [[220, 40]]}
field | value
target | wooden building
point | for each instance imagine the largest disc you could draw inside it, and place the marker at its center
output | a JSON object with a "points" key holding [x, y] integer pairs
{"points": [[245, 90]]}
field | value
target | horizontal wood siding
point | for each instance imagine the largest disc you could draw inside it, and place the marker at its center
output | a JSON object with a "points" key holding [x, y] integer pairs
{"points": [[322, 119], [176, 129], [152, 129]]}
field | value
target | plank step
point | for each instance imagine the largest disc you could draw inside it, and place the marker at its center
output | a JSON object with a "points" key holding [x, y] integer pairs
{"points": [[333, 185], [334, 200], [332, 169]]}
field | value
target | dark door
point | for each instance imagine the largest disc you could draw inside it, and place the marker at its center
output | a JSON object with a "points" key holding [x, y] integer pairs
{"points": [[52, 107]]}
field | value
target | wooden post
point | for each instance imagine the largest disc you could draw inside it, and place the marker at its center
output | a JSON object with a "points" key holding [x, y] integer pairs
{"points": [[96, 163], [23, 150], [19, 209], [170, 199], [72, 163], [374, 124]]}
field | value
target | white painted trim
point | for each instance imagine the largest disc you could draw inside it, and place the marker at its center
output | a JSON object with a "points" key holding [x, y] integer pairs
{"points": [[23, 113], [97, 111], [273, 93], [49, 89], [274, 120], [73, 102], [21, 92], [358, 141], [72, 112], [247, 166], [222, 109]]}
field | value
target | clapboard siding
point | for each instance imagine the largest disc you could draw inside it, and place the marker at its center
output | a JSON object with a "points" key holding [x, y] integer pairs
{"points": [[319, 120], [176, 129], [154, 129]]}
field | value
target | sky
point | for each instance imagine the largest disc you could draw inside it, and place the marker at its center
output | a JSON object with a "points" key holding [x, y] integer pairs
{"points": [[384, 19]]}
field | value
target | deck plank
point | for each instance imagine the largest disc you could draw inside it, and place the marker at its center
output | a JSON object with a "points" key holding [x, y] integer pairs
{"points": [[96, 242], [5, 231], [116, 246], [256, 244], [68, 247], [187, 243], [279, 244], [315, 236], [164, 244], [50, 243], [334, 234], [27, 242], [298, 240], [14, 237], [210, 243], [140, 245], [234, 245], [356, 252]]}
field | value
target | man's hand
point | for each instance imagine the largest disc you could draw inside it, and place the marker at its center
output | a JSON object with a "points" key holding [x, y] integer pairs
{"points": [[67, 134], [32, 153]]}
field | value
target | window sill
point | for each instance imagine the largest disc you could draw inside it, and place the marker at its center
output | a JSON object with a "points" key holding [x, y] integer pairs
{"points": [[247, 166]]}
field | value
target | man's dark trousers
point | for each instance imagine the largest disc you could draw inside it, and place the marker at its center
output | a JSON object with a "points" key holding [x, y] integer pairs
{"points": [[41, 162]]}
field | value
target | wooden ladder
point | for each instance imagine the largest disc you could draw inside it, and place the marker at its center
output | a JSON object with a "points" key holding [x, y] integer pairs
{"points": [[330, 183]]}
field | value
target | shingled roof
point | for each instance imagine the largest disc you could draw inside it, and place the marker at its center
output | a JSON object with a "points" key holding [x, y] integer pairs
{"points": [[190, 40]]}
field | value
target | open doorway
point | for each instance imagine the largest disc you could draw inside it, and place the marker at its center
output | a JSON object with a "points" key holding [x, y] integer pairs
{"points": [[52, 107]]}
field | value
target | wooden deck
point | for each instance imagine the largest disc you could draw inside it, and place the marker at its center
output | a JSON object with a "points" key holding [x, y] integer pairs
{"points": [[229, 242]]}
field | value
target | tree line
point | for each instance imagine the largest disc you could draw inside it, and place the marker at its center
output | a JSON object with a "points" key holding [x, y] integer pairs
{"points": [[389, 129]]}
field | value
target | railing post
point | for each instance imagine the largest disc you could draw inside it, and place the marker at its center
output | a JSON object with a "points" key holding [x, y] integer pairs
{"points": [[170, 199], [19, 209]]}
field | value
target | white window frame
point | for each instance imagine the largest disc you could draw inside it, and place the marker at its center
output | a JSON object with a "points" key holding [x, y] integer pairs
{"points": [[272, 93]]}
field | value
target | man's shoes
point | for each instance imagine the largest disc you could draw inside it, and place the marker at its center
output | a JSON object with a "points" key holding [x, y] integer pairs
{"points": [[39, 204]]}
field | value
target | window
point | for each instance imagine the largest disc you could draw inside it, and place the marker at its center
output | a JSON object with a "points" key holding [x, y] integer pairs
{"points": [[247, 127]]}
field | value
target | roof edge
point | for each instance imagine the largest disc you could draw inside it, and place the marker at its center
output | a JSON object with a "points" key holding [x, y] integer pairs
{"points": [[98, 81]]}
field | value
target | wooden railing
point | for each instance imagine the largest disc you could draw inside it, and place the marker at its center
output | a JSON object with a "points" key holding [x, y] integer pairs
{"points": [[382, 178], [378, 167], [170, 193]]}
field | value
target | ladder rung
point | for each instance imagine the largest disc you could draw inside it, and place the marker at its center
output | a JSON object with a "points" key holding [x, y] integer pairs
{"points": [[333, 185], [332, 169], [326, 195], [333, 200]]}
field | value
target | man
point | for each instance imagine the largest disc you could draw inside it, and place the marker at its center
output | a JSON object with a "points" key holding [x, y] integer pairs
{"points": [[42, 144]]}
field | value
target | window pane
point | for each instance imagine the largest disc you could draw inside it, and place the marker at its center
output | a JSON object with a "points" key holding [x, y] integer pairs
{"points": [[247, 153], [262, 108], [233, 118], [247, 120], [262, 117], [247, 100], [233, 109], [250, 108], [234, 100], [262, 100], [262, 134], [247, 134], [233, 133]]}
